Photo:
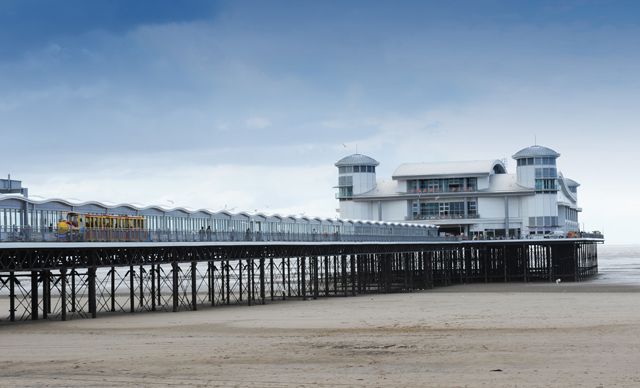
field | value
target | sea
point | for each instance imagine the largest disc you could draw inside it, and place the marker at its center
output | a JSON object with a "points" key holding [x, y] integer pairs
{"points": [[618, 264]]}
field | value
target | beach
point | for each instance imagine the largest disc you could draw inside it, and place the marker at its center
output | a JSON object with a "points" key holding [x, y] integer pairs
{"points": [[524, 335]]}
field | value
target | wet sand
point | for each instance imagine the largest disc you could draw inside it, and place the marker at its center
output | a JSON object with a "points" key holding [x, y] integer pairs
{"points": [[524, 335]]}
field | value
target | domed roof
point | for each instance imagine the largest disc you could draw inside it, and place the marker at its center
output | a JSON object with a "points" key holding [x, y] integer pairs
{"points": [[535, 151], [357, 160]]}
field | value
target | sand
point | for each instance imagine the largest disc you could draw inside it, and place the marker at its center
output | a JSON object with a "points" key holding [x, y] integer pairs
{"points": [[516, 335]]}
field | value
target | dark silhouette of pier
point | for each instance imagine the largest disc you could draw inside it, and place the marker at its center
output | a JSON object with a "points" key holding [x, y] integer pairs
{"points": [[84, 280]]}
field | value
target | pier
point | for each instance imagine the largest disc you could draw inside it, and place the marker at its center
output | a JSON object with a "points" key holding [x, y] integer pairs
{"points": [[72, 280]]}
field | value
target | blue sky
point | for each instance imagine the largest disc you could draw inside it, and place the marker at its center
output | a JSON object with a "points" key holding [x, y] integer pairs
{"points": [[248, 104]]}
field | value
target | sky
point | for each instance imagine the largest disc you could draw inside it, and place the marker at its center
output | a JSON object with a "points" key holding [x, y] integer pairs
{"points": [[246, 105]]}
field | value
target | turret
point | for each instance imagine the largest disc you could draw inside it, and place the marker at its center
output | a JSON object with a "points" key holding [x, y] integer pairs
{"points": [[536, 168], [356, 175]]}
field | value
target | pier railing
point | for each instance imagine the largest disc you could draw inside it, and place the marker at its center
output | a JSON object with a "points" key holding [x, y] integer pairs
{"points": [[51, 234]]}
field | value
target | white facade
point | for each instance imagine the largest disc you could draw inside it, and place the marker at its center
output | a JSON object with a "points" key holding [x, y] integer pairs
{"points": [[472, 198]]}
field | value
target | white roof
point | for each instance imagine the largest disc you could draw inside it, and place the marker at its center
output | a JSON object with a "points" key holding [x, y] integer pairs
{"points": [[505, 183], [382, 189], [465, 168]]}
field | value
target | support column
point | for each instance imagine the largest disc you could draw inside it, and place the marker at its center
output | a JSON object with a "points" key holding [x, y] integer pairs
{"points": [[46, 293], [132, 290], [302, 277], [271, 277], [141, 301], [63, 293], [34, 295], [343, 264], [91, 273], [153, 287], [12, 296], [326, 276], [228, 287], [73, 290], [525, 261], [289, 277], [194, 286], [159, 272], [212, 283], [353, 274], [262, 285], [249, 281], [174, 285], [113, 289], [316, 282], [240, 279]]}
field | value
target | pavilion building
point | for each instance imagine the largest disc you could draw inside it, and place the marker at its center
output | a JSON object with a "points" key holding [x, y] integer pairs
{"points": [[470, 198]]}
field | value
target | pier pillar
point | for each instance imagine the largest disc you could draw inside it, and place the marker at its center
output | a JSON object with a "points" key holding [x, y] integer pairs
{"points": [[262, 285], [303, 282], [326, 275], [73, 290], [343, 270], [227, 284], [174, 285], [113, 289], [12, 296], [91, 274], [288, 277], [271, 278], [353, 274], [240, 279], [63, 293], [159, 272], [249, 278], [46, 293], [212, 283], [141, 301], [316, 282], [194, 286], [132, 291], [34, 295], [153, 287]]}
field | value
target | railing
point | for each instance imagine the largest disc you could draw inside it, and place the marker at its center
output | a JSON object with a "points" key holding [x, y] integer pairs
{"points": [[46, 234], [446, 190], [442, 217]]}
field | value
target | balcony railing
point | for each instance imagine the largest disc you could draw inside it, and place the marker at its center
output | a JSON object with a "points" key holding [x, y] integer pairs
{"points": [[441, 217], [445, 190]]}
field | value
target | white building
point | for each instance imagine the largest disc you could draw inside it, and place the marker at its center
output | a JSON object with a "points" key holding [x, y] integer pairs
{"points": [[473, 198]]}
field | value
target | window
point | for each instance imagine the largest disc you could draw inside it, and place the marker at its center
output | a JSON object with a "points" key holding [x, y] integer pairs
{"points": [[546, 185], [456, 209], [472, 184], [454, 185], [472, 208]]}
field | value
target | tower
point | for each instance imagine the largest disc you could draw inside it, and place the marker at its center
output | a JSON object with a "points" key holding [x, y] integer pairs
{"points": [[356, 175], [536, 169]]}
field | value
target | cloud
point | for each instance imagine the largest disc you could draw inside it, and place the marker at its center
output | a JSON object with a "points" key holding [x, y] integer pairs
{"points": [[257, 123]]}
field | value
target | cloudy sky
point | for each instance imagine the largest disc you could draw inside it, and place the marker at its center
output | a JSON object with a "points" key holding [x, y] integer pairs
{"points": [[247, 105]]}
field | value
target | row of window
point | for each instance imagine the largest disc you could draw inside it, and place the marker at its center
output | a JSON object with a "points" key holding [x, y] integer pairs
{"points": [[345, 192], [345, 180], [569, 214], [546, 161], [546, 185], [350, 169], [543, 221], [546, 172], [447, 185], [422, 210]]}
